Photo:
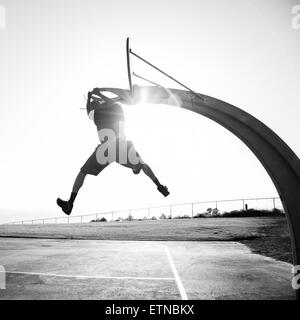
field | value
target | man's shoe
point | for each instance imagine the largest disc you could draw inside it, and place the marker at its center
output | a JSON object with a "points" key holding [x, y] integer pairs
{"points": [[66, 206], [163, 189]]}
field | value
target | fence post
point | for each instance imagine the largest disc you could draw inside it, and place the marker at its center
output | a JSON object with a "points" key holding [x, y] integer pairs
{"points": [[192, 210], [274, 205], [171, 211], [216, 204], [243, 204]]}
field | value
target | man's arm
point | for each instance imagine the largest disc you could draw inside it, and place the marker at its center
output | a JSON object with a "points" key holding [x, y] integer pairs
{"points": [[98, 92], [88, 101]]}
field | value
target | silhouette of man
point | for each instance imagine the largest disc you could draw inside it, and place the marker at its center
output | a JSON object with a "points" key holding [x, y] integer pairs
{"points": [[108, 116]]}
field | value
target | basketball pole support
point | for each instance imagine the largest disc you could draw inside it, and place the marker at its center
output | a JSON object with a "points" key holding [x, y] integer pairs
{"points": [[278, 159]]}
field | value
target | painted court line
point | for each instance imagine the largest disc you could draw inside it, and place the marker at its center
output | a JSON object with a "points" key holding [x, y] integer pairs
{"points": [[85, 277], [176, 275]]}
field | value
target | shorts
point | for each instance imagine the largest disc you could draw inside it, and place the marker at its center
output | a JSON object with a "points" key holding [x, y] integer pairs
{"points": [[119, 150]]}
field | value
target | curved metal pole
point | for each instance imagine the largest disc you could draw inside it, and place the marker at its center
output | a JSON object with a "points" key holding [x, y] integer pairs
{"points": [[281, 163]]}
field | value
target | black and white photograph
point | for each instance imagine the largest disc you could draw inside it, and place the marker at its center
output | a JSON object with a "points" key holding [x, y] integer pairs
{"points": [[149, 153]]}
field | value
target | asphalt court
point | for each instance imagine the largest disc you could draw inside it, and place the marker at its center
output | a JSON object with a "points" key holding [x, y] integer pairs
{"points": [[151, 270]]}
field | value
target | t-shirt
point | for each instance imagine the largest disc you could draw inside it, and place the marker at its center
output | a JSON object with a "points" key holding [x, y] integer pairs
{"points": [[110, 116]]}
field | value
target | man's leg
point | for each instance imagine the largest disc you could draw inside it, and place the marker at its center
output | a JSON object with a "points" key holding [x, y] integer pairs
{"points": [[141, 165], [77, 186], [92, 167], [67, 206], [78, 182], [148, 172]]}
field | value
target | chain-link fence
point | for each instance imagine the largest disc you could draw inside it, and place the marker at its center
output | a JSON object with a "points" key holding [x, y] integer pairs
{"points": [[181, 210]]}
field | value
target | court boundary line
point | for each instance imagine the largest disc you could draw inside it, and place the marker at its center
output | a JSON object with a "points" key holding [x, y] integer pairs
{"points": [[176, 275], [46, 274]]}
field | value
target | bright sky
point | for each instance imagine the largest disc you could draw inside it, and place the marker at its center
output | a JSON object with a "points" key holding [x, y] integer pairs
{"points": [[54, 51]]}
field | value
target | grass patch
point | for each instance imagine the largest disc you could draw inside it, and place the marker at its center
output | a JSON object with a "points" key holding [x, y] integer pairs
{"points": [[268, 236]]}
